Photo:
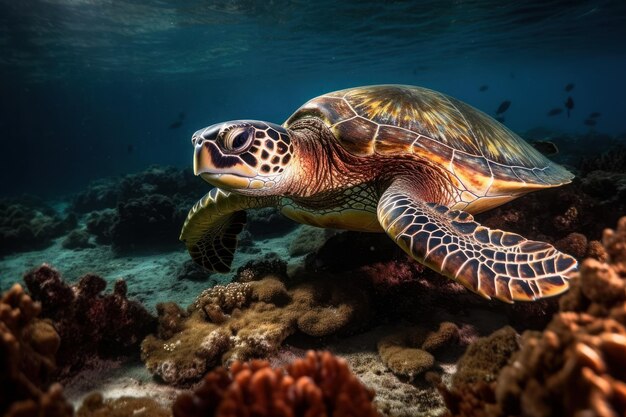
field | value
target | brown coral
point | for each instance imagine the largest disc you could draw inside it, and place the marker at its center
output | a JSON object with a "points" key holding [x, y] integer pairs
{"points": [[94, 405], [241, 321], [319, 385], [577, 365], [89, 323], [27, 349], [409, 352]]}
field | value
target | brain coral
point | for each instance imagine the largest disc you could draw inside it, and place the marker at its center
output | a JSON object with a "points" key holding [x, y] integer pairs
{"points": [[320, 385]]}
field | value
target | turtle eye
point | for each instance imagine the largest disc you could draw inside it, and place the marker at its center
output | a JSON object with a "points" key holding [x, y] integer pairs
{"points": [[238, 140]]}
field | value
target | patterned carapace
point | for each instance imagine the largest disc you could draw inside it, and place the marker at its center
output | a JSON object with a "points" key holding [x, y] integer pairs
{"points": [[405, 160]]}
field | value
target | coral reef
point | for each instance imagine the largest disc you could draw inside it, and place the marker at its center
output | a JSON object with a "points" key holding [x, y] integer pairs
{"points": [[99, 223], [484, 358], [90, 323], [318, 385], [27, 224], [140, 212], [268, 222], [409, 352], [94, 405], [247, 320], [77, 239], [27, 359], [309, 239], [576, 365], [189, 270]]}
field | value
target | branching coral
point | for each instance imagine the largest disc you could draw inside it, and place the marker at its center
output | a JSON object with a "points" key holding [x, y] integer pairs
{"points": [[89, 322], [319, 385], [577, 365], [27, 349], [246, 320]]}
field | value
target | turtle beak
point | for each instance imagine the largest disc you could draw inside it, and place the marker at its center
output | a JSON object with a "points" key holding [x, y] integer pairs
{"points": [[202, 157]]}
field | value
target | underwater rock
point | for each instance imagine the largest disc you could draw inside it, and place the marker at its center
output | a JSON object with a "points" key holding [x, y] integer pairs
{"points": [[90, 323], [268, 222], [27, 359], [349, 250], [308, 240], [409, 352], [27, 224], [385, 275], [318, 385], [189, 270], [576, 365], [146, 224], [256, 269], [77, 239], [94, 405], [99, 224], [248, 320]]}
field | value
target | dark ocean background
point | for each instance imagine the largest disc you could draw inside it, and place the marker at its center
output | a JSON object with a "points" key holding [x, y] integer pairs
{"points": [[91, 88]]}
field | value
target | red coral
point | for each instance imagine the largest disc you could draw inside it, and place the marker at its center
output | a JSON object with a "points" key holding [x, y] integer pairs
{"points": [[320, 385]]}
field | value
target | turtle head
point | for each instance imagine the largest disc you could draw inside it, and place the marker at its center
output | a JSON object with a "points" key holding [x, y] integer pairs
{"points": [[246, 156]]}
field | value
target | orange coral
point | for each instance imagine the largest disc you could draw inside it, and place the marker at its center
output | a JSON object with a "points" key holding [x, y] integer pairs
{"points": [[27, 349], [320, 385]]}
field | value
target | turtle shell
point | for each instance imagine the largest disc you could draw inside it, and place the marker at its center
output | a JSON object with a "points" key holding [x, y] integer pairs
{"points": [[398, 119]]}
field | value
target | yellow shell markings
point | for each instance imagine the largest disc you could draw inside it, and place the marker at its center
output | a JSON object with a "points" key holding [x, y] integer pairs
{"points": [[488, 163]]}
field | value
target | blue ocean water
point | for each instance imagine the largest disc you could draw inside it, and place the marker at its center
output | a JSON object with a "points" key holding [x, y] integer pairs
{"points": [[92, 88]]}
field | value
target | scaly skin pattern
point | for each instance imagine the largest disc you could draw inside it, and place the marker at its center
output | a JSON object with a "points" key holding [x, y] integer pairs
{"points": [[492, 263], [212, 225], [330, 187]]}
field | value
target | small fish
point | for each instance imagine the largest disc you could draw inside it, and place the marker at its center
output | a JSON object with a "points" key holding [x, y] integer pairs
{"points": [[130, 148], [555, 111], [590, 122], [545, 147], [483, 88], [176, 124], [501, 119], [569, 105], [181, 115], [569, 87], [595, 115], [504, 106]]}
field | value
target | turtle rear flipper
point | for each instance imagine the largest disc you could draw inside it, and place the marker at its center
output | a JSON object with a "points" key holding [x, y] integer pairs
{"points": [[492, 263], [212, 225]]}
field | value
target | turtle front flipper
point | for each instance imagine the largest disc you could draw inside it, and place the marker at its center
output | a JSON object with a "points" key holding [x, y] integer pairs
{"points": [[492, 263], [212, 225]]}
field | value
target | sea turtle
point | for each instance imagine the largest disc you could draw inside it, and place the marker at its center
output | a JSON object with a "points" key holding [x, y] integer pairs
{"points": [[404, 160]]}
